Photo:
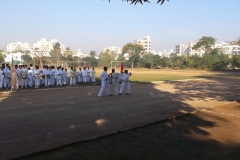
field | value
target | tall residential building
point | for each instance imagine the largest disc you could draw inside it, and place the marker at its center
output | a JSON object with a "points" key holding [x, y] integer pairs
{"points": [[41, 45], [113, 49], [145, 42], [80, 54]]}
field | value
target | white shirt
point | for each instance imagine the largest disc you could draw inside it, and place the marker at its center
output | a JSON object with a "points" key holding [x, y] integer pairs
{"points": [[117, 77], [30, 72], [36, 72], [125, 77], [84, 72], [1, 73], [104, 76]]}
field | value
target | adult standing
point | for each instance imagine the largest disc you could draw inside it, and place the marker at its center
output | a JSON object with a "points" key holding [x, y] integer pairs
{"points": [[93, 73], [116, 79], [125, 82], [105, 83]]}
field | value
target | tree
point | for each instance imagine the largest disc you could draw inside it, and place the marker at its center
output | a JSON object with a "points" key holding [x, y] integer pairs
{"points": [[205, 43], [236, 60], [27, 59], [148, 59], [39, 54], [1, 57], [141, 1], [67, 52], [106, 59], [92, 60], [56, 53], [93, 54], [134, 51]]}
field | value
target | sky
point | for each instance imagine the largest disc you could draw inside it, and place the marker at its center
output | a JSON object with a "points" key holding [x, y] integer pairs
{"points": [[96, 24]]}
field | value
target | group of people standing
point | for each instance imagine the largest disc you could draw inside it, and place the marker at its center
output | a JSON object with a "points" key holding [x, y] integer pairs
{"points": [[114, 78], [48, 76]]}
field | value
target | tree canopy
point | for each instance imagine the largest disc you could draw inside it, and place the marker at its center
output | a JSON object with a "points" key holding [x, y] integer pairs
{"points": [[143, 1], [205, 43]]}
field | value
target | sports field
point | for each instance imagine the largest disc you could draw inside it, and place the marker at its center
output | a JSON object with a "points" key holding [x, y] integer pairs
{"points": [[38, 120]]}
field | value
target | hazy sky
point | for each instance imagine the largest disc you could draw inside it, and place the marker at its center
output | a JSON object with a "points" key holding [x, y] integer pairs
{"points": [[95, 24]]}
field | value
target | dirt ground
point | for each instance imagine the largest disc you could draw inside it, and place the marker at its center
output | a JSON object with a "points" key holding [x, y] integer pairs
{"points": [[208, 134], [39, 120]]}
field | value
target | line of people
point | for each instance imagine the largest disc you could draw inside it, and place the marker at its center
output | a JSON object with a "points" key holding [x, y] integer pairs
{"points": [[48, 76], [116, 79]]}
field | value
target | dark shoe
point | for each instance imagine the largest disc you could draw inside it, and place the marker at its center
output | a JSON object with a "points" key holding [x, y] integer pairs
{"points": [[110, 95], [127, 93], [120, 94]]}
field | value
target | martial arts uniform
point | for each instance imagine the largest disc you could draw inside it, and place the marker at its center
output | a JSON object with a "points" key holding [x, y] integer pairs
{"points": [[87, 75], [59, 77], [24, 75], [116, 79], [93, 73], [47, 77], [125, 82], [84, 76], [30, 78], [66, 76], [72, 78], [1, 78], [105, 84], [37, 77], [79, 76], [52, 77]]}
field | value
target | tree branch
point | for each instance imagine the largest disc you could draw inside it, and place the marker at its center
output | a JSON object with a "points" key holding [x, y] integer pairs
{"points": [[141, 1]]}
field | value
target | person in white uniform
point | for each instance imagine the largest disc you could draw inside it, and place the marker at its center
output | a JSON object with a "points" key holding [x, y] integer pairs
{"points": [[93, 74], [79, 75], [1, 77], [66, 76], [125, 82], [116, 80], [59, 77], [24, 76], [37, 77], [72, 77], [105, 83], [88, 74], [47, 76], [5, 79], [30, 77], [84, 75], [43, 74]]}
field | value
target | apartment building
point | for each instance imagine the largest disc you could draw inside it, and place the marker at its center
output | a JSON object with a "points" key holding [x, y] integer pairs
{"points": [[145, 42], [113, 49]]}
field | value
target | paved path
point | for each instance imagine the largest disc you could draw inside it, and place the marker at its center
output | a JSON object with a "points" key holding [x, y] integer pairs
{"points": [[38, 120]]}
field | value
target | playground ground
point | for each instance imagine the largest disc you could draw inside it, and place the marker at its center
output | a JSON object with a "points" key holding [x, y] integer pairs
{"points": [[33, 121]]}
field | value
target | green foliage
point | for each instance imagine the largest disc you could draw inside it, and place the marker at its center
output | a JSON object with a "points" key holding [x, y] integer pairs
{"points": [[134, 50], [205, 43], [67, 53], [27, 59], [106, 59], [92, 60], [1, 57], [56, 53], [93, 54], [148, 60], [236, 60]]}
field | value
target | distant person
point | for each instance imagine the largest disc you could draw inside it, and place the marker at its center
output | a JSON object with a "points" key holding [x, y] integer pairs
{"points": [[93, 73]]}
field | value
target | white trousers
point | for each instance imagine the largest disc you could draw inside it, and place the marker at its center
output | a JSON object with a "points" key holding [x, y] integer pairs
{"points": [[59, 80], [93, 79], [88, 78], [105, 86], [127, 84], [43, 80], [24, 83], [52, 80], [37, 81], [30, 80], [72, 81], [47, 81], [79, 78], [116, 87], [1, 82], [84, 79], [66, 79]]}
